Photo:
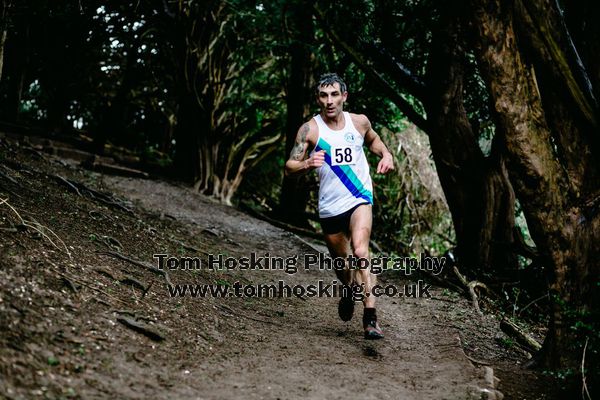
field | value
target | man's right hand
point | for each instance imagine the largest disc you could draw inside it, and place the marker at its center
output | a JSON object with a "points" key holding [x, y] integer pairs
{"points": [[316, 160]]}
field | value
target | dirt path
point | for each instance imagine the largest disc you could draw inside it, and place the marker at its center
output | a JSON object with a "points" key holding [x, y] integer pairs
{"points": [[63, 304], [306, 351]]}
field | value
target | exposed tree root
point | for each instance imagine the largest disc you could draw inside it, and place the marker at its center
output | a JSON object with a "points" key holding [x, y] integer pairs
{"points": [[72, 280], [142, 264], [469, 287], [143, 328], [82, 189]]}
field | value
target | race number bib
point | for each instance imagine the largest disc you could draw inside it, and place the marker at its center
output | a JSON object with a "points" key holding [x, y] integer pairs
{"points": [[343, 155]]}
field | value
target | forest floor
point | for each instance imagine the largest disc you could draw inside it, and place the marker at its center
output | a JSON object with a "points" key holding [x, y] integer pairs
{"points": [[77, 321]]}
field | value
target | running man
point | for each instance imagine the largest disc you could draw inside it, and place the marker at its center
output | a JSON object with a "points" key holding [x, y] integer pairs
{"points": [[332, 142]]}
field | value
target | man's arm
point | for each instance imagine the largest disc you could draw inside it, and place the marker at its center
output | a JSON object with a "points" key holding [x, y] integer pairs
{"points": [[376, 145], [298, 164]]}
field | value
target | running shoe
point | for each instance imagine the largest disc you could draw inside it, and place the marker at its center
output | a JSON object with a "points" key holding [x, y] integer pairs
{"points": [[373, 331], [346, 308]]}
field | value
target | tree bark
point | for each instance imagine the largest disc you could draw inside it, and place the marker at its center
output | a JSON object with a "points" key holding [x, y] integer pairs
{"points": [[479, 195], [4, 21], [187, 157], [16, 60], [562, 212], [294, 191]]}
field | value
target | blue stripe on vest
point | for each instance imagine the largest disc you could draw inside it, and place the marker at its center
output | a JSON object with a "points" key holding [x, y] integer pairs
{"points": [[358, 192]]}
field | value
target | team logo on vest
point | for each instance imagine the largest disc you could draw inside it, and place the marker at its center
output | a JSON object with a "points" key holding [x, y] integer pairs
{"points": [[349, 137]]}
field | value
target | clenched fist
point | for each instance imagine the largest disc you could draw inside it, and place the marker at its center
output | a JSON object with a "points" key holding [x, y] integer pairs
{"points": [[316, 160]]}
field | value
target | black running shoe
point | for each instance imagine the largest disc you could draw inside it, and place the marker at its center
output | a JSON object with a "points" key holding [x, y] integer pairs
{"points": [[373, 331], [346, 308]]}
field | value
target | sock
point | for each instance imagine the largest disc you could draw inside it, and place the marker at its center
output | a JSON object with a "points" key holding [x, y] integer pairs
{"points": [[369, 316]]}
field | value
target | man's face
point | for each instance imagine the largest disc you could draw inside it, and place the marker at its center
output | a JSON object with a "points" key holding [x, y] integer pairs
{"points": [[331, 100]]}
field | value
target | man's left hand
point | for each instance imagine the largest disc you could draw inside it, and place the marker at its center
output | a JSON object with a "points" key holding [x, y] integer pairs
{"points": [[386, 164]]}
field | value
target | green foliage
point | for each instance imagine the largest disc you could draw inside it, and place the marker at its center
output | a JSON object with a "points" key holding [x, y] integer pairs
{"points": [[411, 215], [53, 361], [507, 342]]}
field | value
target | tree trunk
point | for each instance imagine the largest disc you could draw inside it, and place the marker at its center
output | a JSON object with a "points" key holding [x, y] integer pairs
{"points": [[3, 34], [4, 21], [294, 192], [187, 157], [477, 189], [561, 207], [16, 60]]}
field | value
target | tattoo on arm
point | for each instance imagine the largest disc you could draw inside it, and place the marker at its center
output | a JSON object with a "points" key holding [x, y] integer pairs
{"points": [[299, 148]]}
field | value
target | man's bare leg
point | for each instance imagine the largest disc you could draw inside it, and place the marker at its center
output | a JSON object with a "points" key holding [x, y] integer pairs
{"points": [[361, 222], [360, 234], [339, 246]]}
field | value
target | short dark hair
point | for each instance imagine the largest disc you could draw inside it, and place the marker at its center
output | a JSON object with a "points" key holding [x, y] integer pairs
{"points": [[328, 80]]}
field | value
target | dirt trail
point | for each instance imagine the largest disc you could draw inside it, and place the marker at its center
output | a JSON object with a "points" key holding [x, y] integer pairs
{"points": [[62, 334], [308, 352]]}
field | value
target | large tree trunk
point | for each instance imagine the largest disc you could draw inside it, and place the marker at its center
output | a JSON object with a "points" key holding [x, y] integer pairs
{"points": [[559, 195], [294, 192], [187, 157], [16, 60], [190, 117], [4, 21], [477, 189]]}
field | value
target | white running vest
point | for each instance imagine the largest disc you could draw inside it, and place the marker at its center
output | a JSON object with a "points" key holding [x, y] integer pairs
{"points": [[344, 177]]}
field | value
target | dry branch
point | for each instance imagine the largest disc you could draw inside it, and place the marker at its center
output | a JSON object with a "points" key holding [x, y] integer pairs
{"points": [[584, 389], [522, 338]]}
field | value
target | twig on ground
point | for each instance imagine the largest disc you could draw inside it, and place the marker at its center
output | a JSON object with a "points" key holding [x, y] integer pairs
{"points": [[186, 246], [111, 242], [39, 228], [70, 284], [584, 389], [9, 178]]}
